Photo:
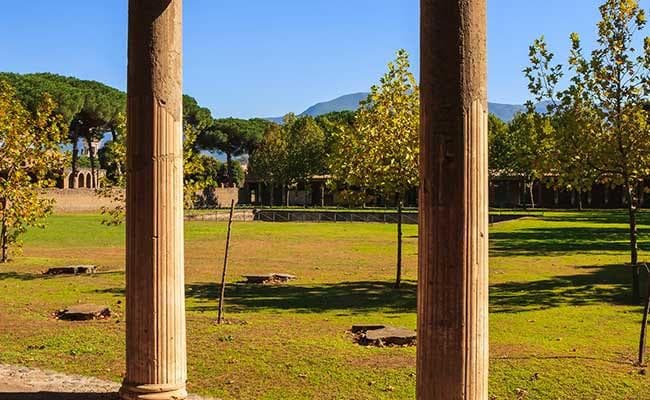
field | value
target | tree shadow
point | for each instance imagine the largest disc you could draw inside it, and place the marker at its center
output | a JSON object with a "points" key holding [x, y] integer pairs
{"points": [[610, 216], [352, 297], [349, 297], [557, 241], [609, 284], [20, 276], [600, 284], [59, 396]]}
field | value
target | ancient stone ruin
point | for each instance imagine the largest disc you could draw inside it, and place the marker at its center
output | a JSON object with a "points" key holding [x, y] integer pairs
{"points": [[383, 335], [72, 270], [84, 312], [269, 279]]}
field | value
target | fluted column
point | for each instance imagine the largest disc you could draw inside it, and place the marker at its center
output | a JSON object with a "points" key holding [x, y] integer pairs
{"points": [[155, 332], [452, 354]]}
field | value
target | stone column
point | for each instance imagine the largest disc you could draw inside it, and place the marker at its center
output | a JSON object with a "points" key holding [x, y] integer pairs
{"points": [[155, 313], [452, 353]]}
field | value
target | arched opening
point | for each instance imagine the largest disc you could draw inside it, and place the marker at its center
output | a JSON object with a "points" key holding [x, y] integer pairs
{"points": [[71, 181], [82, 181], [89, 180]]}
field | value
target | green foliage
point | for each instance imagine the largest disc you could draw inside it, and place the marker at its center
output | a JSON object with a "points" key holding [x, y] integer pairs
{"points": [[88, 108], [501, 147], [305, 149], [196, 121], [380, 152], [269, 161], [234, 137], [29, 152], [291, 153], [598, 125]]}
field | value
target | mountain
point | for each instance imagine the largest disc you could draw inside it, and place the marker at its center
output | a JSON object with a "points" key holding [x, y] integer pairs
{"points": [[343, 103], [350, 102]]}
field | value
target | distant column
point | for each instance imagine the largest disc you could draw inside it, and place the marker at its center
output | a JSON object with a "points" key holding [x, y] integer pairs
{"points": [[452, 353], [155, 313]]}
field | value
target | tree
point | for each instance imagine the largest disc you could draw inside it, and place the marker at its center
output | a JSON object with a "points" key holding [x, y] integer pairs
{"points": [[305, 151], [29, 152], [604, 109], [196, 121], [500, 148], [112, 157], [269, 160], [528, 134], [88, 108], [381, 152], [234, 137]]}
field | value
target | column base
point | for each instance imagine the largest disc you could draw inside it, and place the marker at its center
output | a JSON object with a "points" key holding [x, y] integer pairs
{"points": [[152, 392]]}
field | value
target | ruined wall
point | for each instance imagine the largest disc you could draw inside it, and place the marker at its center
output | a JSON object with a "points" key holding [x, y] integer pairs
{"points": [[77, 200]]}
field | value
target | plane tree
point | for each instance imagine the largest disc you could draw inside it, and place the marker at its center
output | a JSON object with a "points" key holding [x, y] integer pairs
{"points": [[600, 120]]}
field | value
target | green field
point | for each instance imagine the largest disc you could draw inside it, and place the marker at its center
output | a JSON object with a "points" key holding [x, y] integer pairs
{"points": [[562, 325]]}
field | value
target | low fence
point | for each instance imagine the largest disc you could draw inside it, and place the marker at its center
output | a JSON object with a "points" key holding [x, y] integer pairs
{"points": [[409, 218], [388, 217], [334, 216]]}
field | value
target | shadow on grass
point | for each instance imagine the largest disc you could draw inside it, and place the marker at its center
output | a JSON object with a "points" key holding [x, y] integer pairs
{"points": [[349, 297], [19, 276], [58, 396], [352, 297], [556, 241], [609, 284]]}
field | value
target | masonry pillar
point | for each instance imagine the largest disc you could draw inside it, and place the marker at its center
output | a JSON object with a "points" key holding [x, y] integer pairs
{"points": [[155, 313], [452, 353]]}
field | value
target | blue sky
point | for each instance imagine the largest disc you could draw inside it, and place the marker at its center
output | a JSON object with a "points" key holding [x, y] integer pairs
{"points": [[266, 58]]}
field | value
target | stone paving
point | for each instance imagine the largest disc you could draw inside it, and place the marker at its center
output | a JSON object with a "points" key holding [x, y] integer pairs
{"points": [[22, 383]]}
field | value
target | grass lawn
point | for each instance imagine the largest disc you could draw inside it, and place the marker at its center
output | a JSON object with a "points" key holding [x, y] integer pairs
{"points": [[561, 327]]}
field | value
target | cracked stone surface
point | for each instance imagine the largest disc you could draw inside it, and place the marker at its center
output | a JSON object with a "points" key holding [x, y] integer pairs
{"points": [[22, 383]]}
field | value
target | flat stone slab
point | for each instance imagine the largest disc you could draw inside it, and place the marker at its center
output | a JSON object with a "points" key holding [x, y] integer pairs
{"points": [[266, 279], [84, 312], [72, 270], [382, 335]]}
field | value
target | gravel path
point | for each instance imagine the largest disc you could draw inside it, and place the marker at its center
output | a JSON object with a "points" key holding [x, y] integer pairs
{"points": [[21, 383]]}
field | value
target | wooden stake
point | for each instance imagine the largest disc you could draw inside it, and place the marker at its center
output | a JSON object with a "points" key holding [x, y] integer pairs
{"points": [[398, 278], [644, 323], [225, 264]]}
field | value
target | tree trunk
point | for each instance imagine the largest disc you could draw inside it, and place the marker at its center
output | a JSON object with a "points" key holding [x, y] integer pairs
{"points": [[322, 195], [272, 195], [91, 155], [4, 234], [531, 192], [286, 196], [579, 193], [229, 169], [75, 161], [398, 278], [634, 249]]}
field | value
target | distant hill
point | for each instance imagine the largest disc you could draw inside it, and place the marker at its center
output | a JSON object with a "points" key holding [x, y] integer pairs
{"points": [[350, 102]]}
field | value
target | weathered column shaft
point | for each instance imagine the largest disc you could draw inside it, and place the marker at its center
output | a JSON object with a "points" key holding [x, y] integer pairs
{"points": [[452, 354], [155, 333]]}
